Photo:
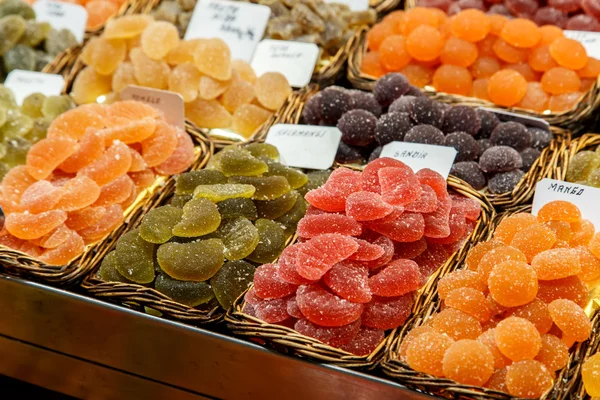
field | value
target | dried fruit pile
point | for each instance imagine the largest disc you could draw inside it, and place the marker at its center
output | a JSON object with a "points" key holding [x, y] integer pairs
{"points": [[584, 168], [219, 222], [490, 153], [218, 92], [510, 62], [578, 15], [368, 241], [20, 127], [512, 314], [27, 44], [78, 180], [590, 373]]}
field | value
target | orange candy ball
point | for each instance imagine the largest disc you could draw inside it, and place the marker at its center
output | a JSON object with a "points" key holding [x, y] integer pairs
{"points": [[456, 324], [485, 67], [540, 59], [518, 339], [507, 87], [535, 98], [528, 378], [469, 362], [425, 43], [471, 25], [453, 79], [568, 53], [371, 64], [513, 283], [425, 353], [393, 53], [469, 301], [571, 319], [418, 75], [559, 80], [458, 52], [521, 33]]}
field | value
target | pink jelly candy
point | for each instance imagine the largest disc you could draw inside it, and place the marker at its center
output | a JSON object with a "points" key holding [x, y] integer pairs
{"points": [[399, 186], [431, 259], [367, 206], [366, 251], [268, 285], [287, 266], [365, 341], [292, 308], [315, 225], [324, 308], [323, 199], [397, 279], [271, 311], [251, 297], [458, 226], [434, 180], [370, 175], [350, 281], [408, 227], [343, 182], [336, 336], [426, 203], [387, 312], [409, 250], [388, 248], [469, 207], [319, 254], [437, 223]]}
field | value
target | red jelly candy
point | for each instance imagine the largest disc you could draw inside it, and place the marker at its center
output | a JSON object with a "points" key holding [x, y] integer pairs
{"points": [[365, 341], [315, 225], [408, 227], [437, 223], [458, 226], [292, 308], [426, 203], [367, 206], [398, 278], [343, 182], [323, 199], [399, 186], [319, 254], [387, 312], [251, 297], [469, 207], [312, 210], [431, 259], [409, 250], [336, 336], [388, 253], [350, 281], [370, 175], [287, 266], [434, 180], [366, 251], [271, 311], [324, 308], [268, 285]]}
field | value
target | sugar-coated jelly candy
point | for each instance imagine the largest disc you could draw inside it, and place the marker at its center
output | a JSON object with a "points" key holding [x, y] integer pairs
{"points": [[535, 312], [518, 339], [398, 278], [350, 281], [321, 253], [108, 269], [187, 182], [513, 283], [469, 301], [315, 225], [295, 178], [556, 264], [266, 187], [134, 258], [365, 341], [220, 192], [468, 361], [571, 319], [425, 353], [237, 207], [185, 292], [200, 217], [554, 354], [194, 261], [157, 225], [459, 279], [528, 378], [335, 336], [367, 206], [456, 324], [387, 312], [268, 285], [534, 239], [326, 309], [496, 256], [240, 237], [271, 241], [589, 374], [240, 162]]}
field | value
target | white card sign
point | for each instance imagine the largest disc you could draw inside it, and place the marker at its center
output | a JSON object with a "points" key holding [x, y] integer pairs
{"points": [[355, 5], [241, 25], [62, 16], [584, 197], [419, 156], [589, 40], [305, 146], [170, 103], [24, 83], [295, 60]]}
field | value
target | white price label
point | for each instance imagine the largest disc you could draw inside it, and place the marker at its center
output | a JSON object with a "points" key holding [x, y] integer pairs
{"points": [[62, 16], [589, 40], [305, 146], [241, 25], [526, 120], [584, 197], [170, 103], [24, 83], [419, 156], [295, 60], [355, 5]]}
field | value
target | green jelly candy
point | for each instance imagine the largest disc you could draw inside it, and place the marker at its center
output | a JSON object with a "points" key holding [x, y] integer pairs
{"points": [[242, 163], [180, 200], [272, 209], [220, 192], [195, 261], [200, 217], [186, 183], [292, 217], [239, 236], [238, 207], [593, 179], [35, 33], [295, 178], [16, 7], [231, 281], [267, 187], [38, 130], [157, 225], [16, 125], [19, 57], [41, 60], [3, 116], [12, 27], [135, 257], [7, 98], [58, 41], [316, 179], [108, 269], [189, 293], [259, 150], [16, 151], [32, 105], [582, 165], [271, 243], [55, 105]]}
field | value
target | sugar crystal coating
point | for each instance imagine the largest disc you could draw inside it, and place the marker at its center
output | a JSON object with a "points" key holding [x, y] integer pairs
{"points": [[358, 127]]}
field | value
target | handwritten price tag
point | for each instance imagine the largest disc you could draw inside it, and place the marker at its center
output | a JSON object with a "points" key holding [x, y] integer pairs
{"points": [[419, 156], [295, 60], [584, 197], [24, 83], [305, 146], [170, 103], [62, 16], [589, 40], [241, 25]]}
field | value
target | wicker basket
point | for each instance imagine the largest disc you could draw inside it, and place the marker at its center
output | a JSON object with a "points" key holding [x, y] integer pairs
{"points": [[289, 341], [449, 389], [15, 263], [548, 165], [574, 120]]}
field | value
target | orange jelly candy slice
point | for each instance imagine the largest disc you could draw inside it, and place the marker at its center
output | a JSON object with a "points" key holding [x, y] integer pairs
{"points": [[33, 226], [47, 154]]}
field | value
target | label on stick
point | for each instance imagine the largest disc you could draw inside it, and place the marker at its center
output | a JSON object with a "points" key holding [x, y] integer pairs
{"points": [[584, 197], [240, 25], [62, 16], [295, 60], [419, 156], [305, 146], [24, 83], [589, 40], [170, 103]]}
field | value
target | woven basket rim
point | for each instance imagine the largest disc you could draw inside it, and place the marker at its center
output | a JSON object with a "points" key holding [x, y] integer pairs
{"points": [[278, 336]]}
